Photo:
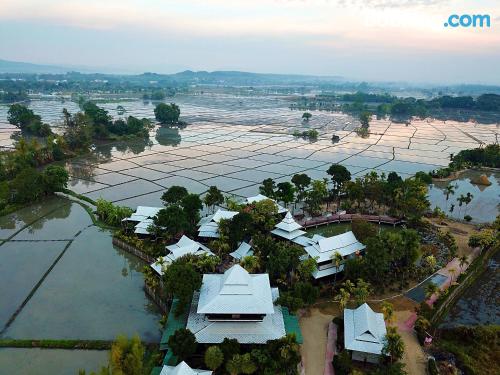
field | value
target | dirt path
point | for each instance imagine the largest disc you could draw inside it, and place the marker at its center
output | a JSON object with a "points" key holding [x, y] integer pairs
{"points": [[314, 327], [414, 357]]}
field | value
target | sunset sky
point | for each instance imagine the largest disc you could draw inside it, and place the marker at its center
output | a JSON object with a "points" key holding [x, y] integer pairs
{"points": [[396, 40]]}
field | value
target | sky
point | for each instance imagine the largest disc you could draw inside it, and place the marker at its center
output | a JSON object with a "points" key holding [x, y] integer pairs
{"points": [[373, 40]]}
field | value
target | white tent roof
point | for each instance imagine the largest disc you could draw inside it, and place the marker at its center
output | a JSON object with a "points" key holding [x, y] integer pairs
{"points": [[235, 292], [246, 332], [183, 247], [242, 251], [324, 247], [142, 213], [209, 226], [261, 197], [364, 330], [183, 369], [288, 228]]}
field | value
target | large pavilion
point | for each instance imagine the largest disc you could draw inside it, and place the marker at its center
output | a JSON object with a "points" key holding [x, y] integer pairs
{"points": [[236, 305]]}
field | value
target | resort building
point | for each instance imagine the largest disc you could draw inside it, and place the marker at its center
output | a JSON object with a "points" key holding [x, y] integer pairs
{"points": [[242, 251], [236, 305], [288, 228], [261, 197], [183, 247], [364, 332], [142, 219], [209, 226], [183, 369], [324, 249]]}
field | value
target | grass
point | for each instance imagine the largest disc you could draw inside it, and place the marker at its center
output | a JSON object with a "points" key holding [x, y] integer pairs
{"points": [[56, 344], [335, 229]]}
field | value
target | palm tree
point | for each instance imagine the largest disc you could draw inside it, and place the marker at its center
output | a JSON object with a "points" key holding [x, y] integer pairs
{"points": [[463, 260], [452, 273], [388, 311], [393, 344], [336, 260], [461, 200], [449, 190], [467, 200], [241, 364], [431, 289], [343, 298]]}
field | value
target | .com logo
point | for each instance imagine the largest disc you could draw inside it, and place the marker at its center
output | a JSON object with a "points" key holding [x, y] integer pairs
{"points": [[468, 20]]}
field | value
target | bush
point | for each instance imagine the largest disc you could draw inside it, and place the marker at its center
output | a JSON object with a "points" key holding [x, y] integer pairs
{"points": [[432, 366], [467, 218], [342, 363]]}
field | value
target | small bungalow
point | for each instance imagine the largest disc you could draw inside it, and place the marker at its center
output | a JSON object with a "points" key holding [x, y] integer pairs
{"points": [[261, 197], [242, 251], [183, 247], [141, 219], [288, 228], [209, 226], [324, 248], [236, 305], [183, 369], [364, 333]]}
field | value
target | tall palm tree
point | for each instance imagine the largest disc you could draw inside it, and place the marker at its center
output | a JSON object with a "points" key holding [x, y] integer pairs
{"points": [[393, 344], [449, 190], [452, 272], [431, 289], [463, 260], [388, 311], [337, 261]]}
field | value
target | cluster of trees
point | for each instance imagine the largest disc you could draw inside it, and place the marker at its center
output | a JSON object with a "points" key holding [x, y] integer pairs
{"points": [[20, 180], [25, 120], [311, 134], [180, 215], [368, 194], [277, 357], [167, 114], [13, 96], [110, 213], [155, 95], [488, 156]]}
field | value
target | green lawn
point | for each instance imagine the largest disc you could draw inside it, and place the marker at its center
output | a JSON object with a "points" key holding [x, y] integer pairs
{"points": [[335, 229]]}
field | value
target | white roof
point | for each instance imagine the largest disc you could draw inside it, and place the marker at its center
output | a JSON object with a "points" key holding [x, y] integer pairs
{"points": [[242, 251], [183, 369], [364, 330], [318, 274], [288, 228], [235, 292], [143, 212], [324, 247], [142, 226], [272, 327], [183, 247], [261, 197], [209, 226]]}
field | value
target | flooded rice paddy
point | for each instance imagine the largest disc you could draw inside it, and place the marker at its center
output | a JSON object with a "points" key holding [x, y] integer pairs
{"points": [[480, 304]]}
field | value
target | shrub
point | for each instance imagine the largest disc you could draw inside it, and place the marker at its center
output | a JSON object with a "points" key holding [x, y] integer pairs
{"points": [[342, 363]]}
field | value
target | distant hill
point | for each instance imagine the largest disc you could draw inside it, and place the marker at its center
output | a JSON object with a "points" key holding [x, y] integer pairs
{"points": [[29, 68]]}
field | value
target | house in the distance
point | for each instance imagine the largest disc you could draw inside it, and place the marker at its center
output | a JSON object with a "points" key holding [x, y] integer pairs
{"points": [[209, 226], [183, 247], [183, 369], [261, 197], [141, 219], [364, 333], [236, 305], [323, 250]]}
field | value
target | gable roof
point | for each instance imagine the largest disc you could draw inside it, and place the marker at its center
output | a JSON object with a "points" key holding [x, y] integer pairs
{"points": [[183, 369], [364, 330], [209, 226], [235, 292], [324, 247], [242, 251]]}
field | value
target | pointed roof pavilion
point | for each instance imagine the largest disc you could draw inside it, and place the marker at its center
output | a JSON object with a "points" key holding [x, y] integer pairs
{"points": [[235, 292], [183, 369], [364, 330], [288, 228]]}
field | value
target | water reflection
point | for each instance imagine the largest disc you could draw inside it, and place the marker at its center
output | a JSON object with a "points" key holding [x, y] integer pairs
{"points": [[168, 136]]}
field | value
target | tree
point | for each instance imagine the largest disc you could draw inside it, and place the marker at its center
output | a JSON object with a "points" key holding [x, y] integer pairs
{"points": [[241, 364], [229, 348], [55, 178], [431, 289], [167, 113], [449, 190], [340, 175], [316, 196], [26, 186], [127, 356], [21, 117], [301, 182], [172, 219], [174, 195], [361, 292], [306, 116], [393, 345], [286, 192], [192, 205], [284, 354], [251, 263], [364, 119], [363, 229], [463, 261], [388, 311], [182, 343], [213, 357], [213, 197], [181, 280], [337, 260], [268, 188]]}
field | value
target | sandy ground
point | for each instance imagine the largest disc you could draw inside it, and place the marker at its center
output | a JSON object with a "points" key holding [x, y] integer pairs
{"points": [[460, 231], [414, 357], [314, 326]]}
